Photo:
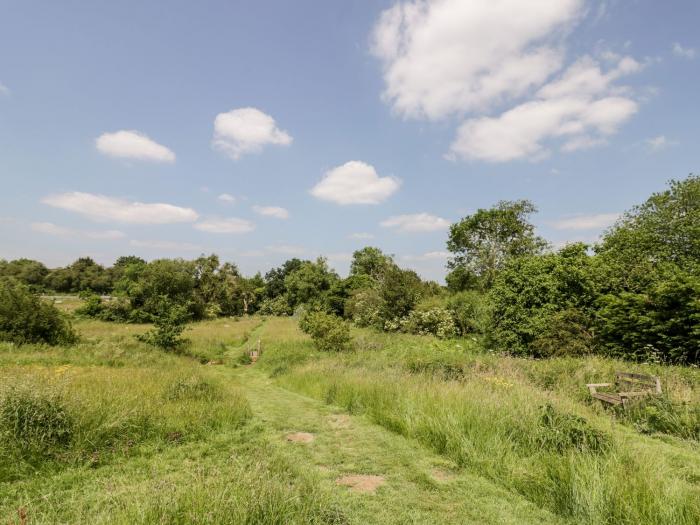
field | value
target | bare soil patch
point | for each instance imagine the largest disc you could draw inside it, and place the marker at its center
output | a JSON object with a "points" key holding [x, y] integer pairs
{"points": [[361, 483], [300, 437]]}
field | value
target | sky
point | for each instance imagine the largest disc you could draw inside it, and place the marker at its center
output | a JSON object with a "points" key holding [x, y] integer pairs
{"points": [[264, 130]]}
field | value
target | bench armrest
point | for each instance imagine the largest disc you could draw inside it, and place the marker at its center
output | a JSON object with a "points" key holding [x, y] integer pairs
{"points": [[593, 386]]}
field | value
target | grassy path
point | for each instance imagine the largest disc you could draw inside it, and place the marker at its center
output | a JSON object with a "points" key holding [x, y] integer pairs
{"points": [[419, 486]]}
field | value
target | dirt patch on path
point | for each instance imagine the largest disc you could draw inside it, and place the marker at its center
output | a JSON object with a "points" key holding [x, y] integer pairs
{"points": [[361, 483], [300, 437]]}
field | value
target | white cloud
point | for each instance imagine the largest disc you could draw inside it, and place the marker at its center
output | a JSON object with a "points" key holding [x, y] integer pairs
{"points": [[428, 256], [50, 228], [272, 211], [4, 90], [165, 245], [659, 143], [228, 225], [339, 257], [587, 222], [684, 52], [450, 56], [246, 130], [225, 197], [286, 249], [419, 222], [131, 144], [361, 235], [581, 109], [355, 182], [103, 208]]}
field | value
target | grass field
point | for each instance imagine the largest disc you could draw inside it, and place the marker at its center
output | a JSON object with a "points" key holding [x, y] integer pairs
{"points": [[405, 429]]}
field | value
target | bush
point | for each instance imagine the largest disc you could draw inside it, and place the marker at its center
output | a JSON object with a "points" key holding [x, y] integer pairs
{"points": [[25, 318], [34, 423], [169, 323], [364, 307], [328, 332], [436, 321], [659, 414], [470, 311], [276, 306]]}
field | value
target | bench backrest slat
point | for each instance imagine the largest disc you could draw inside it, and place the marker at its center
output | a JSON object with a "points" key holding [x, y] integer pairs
{"points": [[631, 381]]}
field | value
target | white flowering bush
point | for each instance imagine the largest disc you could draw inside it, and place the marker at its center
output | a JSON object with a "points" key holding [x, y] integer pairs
{"points": [[435, 321]]}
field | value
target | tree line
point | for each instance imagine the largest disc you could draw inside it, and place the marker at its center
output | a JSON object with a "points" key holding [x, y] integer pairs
{"points": [[635, 294]]}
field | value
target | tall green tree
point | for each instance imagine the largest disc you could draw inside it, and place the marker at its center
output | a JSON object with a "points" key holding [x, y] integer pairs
{"points": [[483, 242]]}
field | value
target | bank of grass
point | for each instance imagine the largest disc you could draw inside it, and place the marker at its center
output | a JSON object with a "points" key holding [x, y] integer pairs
{"points": [[527, 425]]}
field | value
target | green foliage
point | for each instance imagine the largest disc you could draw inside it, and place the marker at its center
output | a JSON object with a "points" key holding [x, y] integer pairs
{"points": [[83, 274], [193, 388], [663, 323], [32, 273], [484, 242], [275, 306], [169, 323], [529, 296], [470, 311], [400, 290], [310, 284], [434, 321], [328, 332], [34, 423], [371, 262], [25, 318], [364, 307]]}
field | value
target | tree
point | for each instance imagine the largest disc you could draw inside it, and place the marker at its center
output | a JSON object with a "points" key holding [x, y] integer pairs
{"points": [[274, 279], [371, 262], [482, 243], [27, 271], [310, 283], [399, 290]]}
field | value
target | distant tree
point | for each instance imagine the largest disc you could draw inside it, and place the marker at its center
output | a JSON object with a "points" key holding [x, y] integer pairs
{"points": [[274, 279], [399, 290], [482, 243], [32, 273], [371, 262], [310, 283], [82, 275]]}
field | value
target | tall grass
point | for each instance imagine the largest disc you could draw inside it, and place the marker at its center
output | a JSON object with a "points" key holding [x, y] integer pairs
{"points": [[526, 425]]}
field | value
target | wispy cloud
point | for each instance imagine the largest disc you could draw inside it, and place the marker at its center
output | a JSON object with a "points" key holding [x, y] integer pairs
{"points": [[165, 245], [50, 228], [232, 225], [104, 208], [683, 52], [272, 211], [414, 223], [226, 197], [586, 222]]}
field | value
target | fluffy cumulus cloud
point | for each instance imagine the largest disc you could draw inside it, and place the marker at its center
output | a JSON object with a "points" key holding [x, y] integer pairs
{"points": [[502, 65], [587, 222], [355, 182], [50, 228], [246, 130], [418, 222], [104, 208], [579, 110], [272, 211], [451, 56], [228, 225], [133, 145], [683, 52]]}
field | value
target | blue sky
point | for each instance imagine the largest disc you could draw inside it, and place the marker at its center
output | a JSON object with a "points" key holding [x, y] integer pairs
{"points": [[264, 130]]}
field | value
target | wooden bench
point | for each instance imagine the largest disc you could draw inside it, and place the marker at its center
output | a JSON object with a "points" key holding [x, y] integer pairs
{"points": [[629, 387]]}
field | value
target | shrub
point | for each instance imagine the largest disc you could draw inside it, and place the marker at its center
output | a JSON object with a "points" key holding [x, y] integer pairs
{"points": [[169, 323], [328, 332], [34, 423], [276, 306], [470, 311], [364, 307], [25, 318], [92, 306], [566, 332], [659, 414], [436, 321]]}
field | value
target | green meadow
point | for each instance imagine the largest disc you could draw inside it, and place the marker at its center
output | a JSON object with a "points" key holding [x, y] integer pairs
{"points": [[401, 429]]}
